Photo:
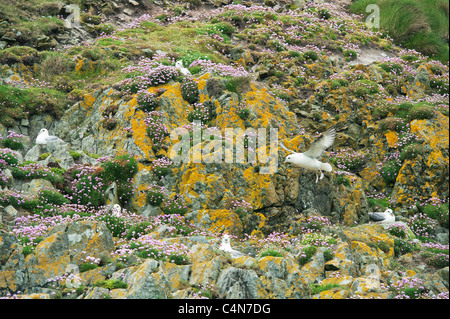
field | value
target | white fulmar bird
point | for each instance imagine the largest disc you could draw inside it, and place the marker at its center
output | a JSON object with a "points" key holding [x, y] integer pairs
{"points": [[43, 137], [309, 159], [183, 70], [117, 210], [225, 246], [387, 217]]}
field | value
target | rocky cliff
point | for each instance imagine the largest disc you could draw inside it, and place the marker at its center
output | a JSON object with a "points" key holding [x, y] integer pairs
{"points": [[109, 88]]}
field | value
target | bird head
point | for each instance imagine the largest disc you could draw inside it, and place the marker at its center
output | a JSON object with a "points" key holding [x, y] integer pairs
{"points": [[179, 64], [43, 131], [389, 211], [289, 159], [226, 239]]}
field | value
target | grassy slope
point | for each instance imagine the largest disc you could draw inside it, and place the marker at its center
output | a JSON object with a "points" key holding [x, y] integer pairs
{"points": [[417, 24]]}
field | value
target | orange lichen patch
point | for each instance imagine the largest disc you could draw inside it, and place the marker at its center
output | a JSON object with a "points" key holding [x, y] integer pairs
{"points": [[222, 220], [391, 138], [8, 280], [79, 65], [201, 82], [294, 144], [436, 134], [255, 183], [188, 180]]}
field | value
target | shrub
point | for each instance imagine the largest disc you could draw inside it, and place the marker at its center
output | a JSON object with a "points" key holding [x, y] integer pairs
{"points": [[54, 65], [156, 130], [390, 170], [8, 157], [225, 27], [393, 124], [52, 197], [155, 195], [408, 288], [349, 160], [137, 230], [436, 254], [271, 252], [422, 226], [337, 83], [397, 230], [121, 169], [438, 212], [306, 254], [75, 155], [328, 255], [402, 247], [311, 55], [196, 115], [411, 151], [237, 84], [116, 225], [324, 14], [351, 54], [147, 101], [189, 90], [243, 113], [111, 284], [342, 180], [87, 266], [89, 190], [12, 144], [28, 171], [421, 112], [174, 205]]}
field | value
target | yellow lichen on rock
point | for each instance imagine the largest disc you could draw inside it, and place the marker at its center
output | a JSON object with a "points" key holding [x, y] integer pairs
{"points": [[220, 220]]}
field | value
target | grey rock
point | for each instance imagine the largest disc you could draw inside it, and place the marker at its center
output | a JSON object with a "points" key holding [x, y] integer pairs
{"points": [[236, 283], [97, 293], [144, 283], [60, 151]]}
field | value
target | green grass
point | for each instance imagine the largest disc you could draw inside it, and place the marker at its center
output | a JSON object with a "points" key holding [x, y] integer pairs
{"points": [[316, 288], [17, 104], [419, 25]]}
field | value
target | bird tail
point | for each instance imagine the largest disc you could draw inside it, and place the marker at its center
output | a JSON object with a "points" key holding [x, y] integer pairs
{"points": [[325, 167]]}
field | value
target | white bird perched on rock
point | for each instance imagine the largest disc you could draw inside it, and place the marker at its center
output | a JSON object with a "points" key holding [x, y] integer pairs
{"points": [[116, 210], [225, 246], [309, 159], [387, 217], [43, 137], [183, 70]]}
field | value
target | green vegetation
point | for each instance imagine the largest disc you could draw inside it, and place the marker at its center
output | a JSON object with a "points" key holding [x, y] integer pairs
{"points": [[306, 255], [111, 284], [17, 104], [419, 25], [317, 288], [271, 252]]}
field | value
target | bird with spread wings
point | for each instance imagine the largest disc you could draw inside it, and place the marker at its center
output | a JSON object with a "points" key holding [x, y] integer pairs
{"points": [[310, 158]]}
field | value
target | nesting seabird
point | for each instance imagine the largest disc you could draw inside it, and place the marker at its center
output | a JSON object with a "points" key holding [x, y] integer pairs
{"points": [[116, 210], [225, 246], [43, 137], [183, 70], [386, 217], [309, 159]]}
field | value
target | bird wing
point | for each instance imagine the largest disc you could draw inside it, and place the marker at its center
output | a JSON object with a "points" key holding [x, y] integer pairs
{"points": [[323, 142], [52, 138], [377, 216], [281, 143]]}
